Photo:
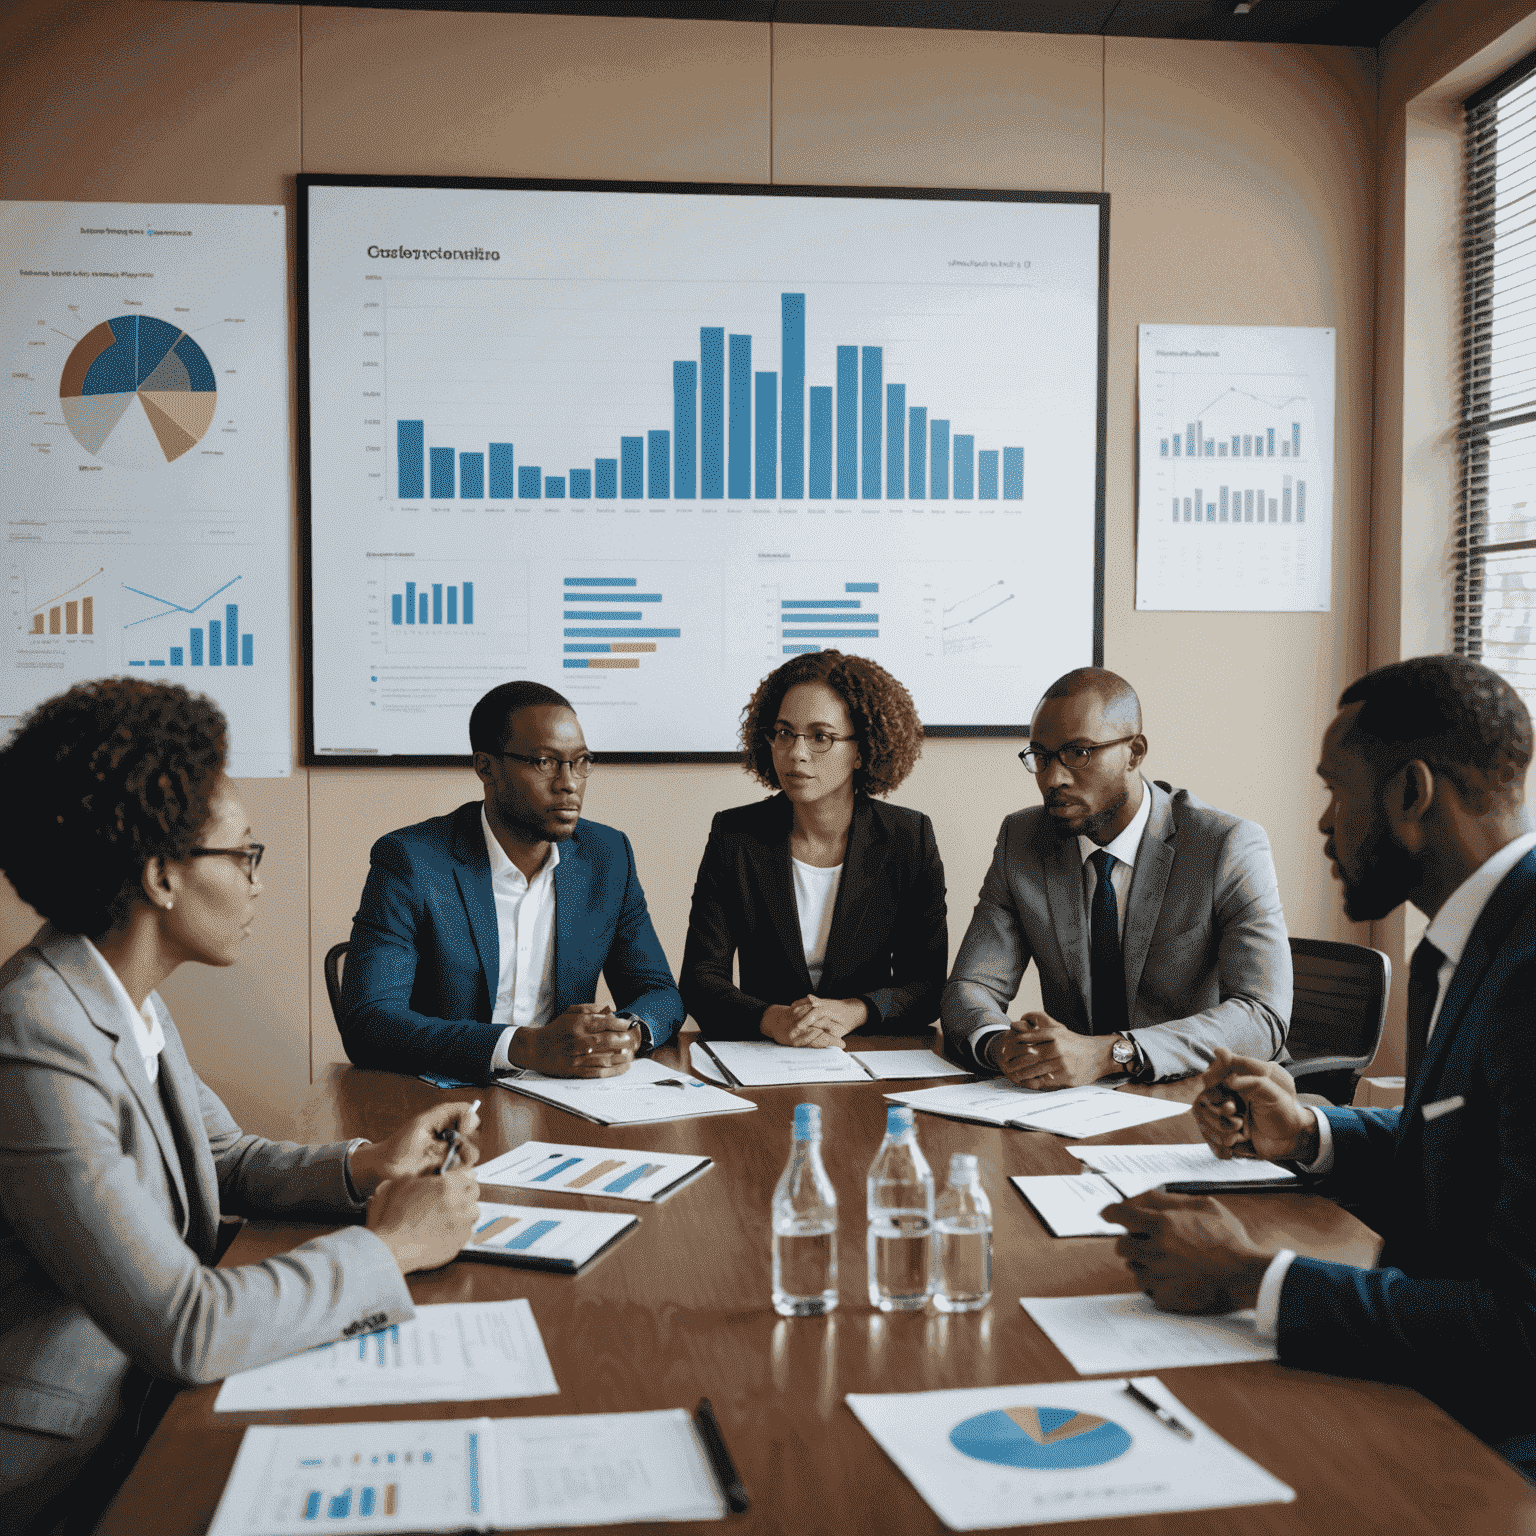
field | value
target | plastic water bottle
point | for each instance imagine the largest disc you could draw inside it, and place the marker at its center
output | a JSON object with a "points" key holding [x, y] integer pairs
{"points": [[962, 1240], [900, 1195], [805, 1226]]}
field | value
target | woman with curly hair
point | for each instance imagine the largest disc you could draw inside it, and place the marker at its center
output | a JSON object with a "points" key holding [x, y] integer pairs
{"points": [[115, 1160], [832, 901]]}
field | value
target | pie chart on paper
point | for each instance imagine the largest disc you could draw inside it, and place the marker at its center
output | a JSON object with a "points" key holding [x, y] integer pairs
{"points": [[138, 392], [1040, 1438]]}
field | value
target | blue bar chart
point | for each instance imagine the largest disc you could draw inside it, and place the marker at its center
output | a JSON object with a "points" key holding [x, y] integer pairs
{"points": [[433, 603], [611, 623], [222, 642], [844, 621]]}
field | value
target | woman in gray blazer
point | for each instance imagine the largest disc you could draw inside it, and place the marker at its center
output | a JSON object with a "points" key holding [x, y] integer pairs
{"points": [[116, 1162]]}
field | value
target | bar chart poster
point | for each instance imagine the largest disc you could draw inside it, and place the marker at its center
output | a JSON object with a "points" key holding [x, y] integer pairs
{"points": [[144, 422], [644, 444], [1235, 489]]}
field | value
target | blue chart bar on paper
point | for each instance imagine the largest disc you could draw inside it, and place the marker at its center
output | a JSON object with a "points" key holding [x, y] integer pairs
{"points": [[410, 458], [589, 648], [827, 618], [848, 422], [442, 473], [861, 586], [530, 481], [1013, 474], [622, 634], [712, 411], [223, 643], [660, 451], [986, 475], [531, 1234], [739, 456], [606, 474], [632, 468], [767, 434], [821, 443], [503, 485], [581, 485], [554, 487], [793, 408], [685, 388], [472, 476], [438, 604]]}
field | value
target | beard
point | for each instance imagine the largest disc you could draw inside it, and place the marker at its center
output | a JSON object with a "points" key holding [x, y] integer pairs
{"points": [[1385, 875], [1090, 826]]}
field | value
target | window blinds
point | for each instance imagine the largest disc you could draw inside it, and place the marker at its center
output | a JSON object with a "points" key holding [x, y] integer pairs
{"points": [[1495, 597]]}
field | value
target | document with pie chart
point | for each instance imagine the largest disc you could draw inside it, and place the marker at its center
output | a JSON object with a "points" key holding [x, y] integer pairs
{"points": [[144, 427], [1049, 1452]]}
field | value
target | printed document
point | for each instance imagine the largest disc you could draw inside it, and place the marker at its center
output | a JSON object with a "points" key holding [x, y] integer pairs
{"points": [[613, 1172], [1134, 1170], [647, 1093], [1069, 1203], [1086, 1111], [1119, 1333], [763, 1064], [898, 1064]]}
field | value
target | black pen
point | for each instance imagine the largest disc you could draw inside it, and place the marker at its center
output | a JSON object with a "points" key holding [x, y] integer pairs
{"points": [[1157, 1411], [720, 1459], [451, 1135]]}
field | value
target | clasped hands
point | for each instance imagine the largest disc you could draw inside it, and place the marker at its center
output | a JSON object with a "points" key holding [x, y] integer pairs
{"points": [[585, 1041], [1189, 1252], [817, 1022], [1038, 1052]]}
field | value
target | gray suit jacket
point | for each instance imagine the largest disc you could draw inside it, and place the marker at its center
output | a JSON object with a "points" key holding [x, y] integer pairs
{"points": [[110, 1192], [1207, 961]]}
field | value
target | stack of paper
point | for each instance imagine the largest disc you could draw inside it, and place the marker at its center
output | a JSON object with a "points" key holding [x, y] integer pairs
{"points": [[468, 1474], [897, 1064], [648, 1092], [763, 1064], [1088, 1111], [1133, 1170], [1127, 1333], [1069, 1203], [535, 1237], [608, 1171]]}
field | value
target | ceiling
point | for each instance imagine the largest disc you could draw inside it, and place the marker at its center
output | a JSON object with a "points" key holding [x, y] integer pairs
{"points": [[1343, 23]]}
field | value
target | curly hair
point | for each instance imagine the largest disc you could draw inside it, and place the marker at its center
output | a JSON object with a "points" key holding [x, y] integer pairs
{"points": [[883, 715], [102, 779], [1453, 713]]}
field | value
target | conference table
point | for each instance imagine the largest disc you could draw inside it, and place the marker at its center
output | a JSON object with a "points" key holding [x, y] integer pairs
{"points": [[680, 1309]]}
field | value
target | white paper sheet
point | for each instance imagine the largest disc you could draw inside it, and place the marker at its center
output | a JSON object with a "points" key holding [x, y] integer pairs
{"points": [[542, 1238], [704, 1064], [615, 1173], [764, 1064], [1119, 1333], [468, 1474], [1043, 1453], [1087, 1111], [455, 1353], [647, 1093], [1133, 1170], [1069, 1203], [900, 1064]]}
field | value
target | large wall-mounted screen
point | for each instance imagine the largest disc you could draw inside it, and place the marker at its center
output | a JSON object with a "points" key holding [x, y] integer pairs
{"points": [[645, 442]]}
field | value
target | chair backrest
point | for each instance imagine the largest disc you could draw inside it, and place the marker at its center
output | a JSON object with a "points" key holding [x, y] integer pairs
{"points": [[333, 958], [1340, 1004]]}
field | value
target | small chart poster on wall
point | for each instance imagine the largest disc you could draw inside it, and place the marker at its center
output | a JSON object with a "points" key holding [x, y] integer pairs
{"points": [[1235, 491], [145, 436], [644, 443]]}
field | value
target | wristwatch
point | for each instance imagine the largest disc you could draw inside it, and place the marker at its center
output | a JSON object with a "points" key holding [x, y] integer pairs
{"points": [[1124, 1054]]}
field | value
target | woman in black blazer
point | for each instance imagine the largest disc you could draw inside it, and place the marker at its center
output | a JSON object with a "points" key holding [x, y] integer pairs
{"points": [[833, 902]]}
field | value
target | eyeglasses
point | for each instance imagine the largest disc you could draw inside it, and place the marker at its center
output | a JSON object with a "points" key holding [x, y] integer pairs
{"points": [[251, 853], [549, 767], [781, 738], [1073, 755]]}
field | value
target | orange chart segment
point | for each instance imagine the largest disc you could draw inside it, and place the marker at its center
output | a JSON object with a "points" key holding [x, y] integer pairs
{"points": [[173, 440], [192, 413]]}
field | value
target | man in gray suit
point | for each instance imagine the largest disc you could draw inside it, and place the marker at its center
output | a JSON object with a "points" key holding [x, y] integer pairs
{"points": [[1154, 918]]}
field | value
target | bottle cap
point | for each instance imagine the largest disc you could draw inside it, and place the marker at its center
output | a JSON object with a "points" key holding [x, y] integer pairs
{"points": [[962, 1168], [898, 1120], [807, 1121]]}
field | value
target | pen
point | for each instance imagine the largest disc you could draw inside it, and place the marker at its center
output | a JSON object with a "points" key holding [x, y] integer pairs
{"points": [[1157, 1411], [454, 1140], [720, 1459]]}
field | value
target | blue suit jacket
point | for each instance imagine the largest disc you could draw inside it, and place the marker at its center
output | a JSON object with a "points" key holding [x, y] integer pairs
{"points": [[1450, 1308], [422, 969]]}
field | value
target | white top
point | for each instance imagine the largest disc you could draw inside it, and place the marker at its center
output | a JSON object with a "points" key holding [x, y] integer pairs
{"points": [[1449, 932], [815, 896], [141, 1025], [1123, 850], [525, 937]]}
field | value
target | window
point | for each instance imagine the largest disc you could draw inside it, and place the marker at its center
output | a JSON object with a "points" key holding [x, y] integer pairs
{"points": [[1495, 603]]}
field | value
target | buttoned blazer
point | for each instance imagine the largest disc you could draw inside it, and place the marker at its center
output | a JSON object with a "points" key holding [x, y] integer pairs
{"points": [[1449, 1181], [111, 1188], [889, 939], [1207, 961], [425, 957]]}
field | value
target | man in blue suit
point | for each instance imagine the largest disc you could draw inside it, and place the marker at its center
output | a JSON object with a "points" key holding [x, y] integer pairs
{"points": [[1425, 768], [480, 937]]}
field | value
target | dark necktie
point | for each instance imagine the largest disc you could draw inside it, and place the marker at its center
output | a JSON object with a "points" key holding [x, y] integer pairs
{"points": [[1423, 988], [1106, 964]]}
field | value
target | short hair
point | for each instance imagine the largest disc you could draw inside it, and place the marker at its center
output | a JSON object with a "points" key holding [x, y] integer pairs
{"points": [[1109, 688], [488, 719], [883, 715], [1453, 713], [101, 780]]}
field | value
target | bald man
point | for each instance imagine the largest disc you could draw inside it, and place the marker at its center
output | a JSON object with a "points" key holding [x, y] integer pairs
{"points": [[1154, 918]]}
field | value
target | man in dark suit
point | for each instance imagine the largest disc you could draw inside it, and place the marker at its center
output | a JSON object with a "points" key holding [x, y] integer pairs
{"points": [[480, 937], [1425, 769], [1154, 918]]}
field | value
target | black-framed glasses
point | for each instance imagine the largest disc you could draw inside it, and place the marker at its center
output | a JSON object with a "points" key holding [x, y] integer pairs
{"points": [[549, 767], [251, 853], [782, 739], [1072, 756]]}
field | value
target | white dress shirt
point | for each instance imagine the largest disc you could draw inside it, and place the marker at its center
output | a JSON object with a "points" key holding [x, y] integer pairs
{"points": [[1448, 932], [525, 937], [141, 1025], [815, 896]]}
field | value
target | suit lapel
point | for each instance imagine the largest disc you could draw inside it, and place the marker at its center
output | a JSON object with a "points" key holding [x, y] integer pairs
{"points": [[472, 872], [181, 1102], [1069, 913], [1149, 883], [863, 867], [778, 887], [573, 882]]}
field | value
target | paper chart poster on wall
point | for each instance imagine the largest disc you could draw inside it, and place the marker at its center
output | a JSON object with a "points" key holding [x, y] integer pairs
{"points": [[645, 442], [1235, 489], [145, 433]]}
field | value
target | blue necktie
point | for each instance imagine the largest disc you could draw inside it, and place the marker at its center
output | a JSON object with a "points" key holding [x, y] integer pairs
{"points": [[1106, 963]]}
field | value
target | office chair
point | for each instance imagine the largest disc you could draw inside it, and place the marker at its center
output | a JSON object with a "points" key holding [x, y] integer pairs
{"points": [[1337, 1015], [333, 958]]}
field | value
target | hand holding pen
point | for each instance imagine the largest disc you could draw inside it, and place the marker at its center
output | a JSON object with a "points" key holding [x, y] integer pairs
{"points": [[455, 1141], [417, 1147]]}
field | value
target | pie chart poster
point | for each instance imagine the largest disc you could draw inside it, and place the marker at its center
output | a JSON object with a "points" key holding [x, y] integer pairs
{"points": [[144, 428]]}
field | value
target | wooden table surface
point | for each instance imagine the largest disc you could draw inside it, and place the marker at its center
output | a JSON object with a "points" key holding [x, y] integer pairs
{"points": [[680, 1309]]}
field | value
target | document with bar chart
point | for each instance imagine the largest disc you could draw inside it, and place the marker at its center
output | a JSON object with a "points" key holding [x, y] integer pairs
{"points": [[1235, 491], [608, 1171], [144, 422], [644, 444]]}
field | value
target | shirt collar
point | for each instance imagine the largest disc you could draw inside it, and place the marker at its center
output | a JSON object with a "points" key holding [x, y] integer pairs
{"points": [[1454, 922], [143, 1024], [501, 866], [1124, 847]]}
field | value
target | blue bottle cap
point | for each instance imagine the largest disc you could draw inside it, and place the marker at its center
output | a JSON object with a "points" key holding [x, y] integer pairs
{"points": [[807, 1122], [898, 1120]]}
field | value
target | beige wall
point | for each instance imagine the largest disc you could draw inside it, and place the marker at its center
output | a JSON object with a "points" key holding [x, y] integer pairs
{"points": [[1243, 181]]}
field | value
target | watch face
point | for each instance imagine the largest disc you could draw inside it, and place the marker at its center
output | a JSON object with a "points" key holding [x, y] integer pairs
{"points": [[1123, 1051]]}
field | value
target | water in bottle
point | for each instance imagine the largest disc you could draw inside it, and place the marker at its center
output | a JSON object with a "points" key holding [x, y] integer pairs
{"points": [[962, 1240], [900, 1196], [805, 1226]]}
